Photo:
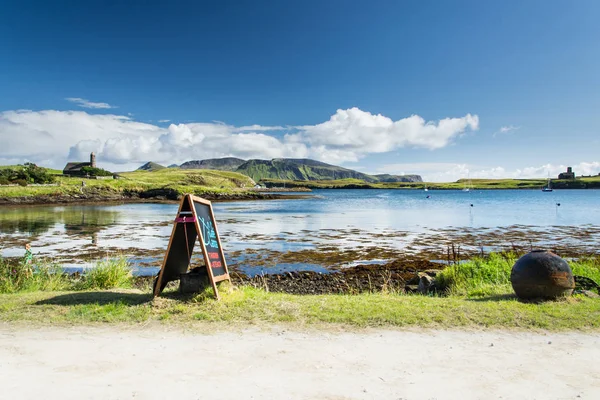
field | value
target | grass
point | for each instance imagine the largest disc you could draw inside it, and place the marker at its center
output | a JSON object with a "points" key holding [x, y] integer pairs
{"points": [[181, 181], [482, 184], [254, 306], [21, 277], [479, 276], [108, 274], [479, 295], [207, 182], [42, 275], [488, 276]]}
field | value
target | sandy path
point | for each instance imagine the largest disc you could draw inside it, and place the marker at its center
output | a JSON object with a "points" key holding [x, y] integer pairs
{"points": [[120, 363]]}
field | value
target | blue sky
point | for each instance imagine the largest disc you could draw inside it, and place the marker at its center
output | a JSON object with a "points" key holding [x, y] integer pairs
{"points": [[515, 84]]}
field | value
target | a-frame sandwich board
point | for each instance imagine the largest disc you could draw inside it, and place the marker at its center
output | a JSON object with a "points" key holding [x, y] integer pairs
{"points": [[195, 220]]}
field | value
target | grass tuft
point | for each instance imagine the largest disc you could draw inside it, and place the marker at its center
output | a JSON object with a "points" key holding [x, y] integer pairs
{"points": [[40, 275], [479, 276], [108, 274]]}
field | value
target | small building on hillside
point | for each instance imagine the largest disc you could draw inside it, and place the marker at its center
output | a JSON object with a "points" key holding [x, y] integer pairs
{"points": [[567, 175], [74, 168]]}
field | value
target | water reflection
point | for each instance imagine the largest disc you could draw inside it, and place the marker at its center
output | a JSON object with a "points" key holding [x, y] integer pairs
{"points": [[398, 219], [75, 220]]}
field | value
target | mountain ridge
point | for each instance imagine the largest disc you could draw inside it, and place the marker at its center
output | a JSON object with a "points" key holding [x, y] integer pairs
{"points": [[297, 169], [220, 164]]}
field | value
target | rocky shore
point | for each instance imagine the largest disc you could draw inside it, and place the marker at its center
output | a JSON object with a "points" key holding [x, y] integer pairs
{"points": [[398, 276], [152, 195]]}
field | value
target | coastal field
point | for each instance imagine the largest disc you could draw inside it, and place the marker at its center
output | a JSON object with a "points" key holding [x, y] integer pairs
{"points": [[171, 183], [167, 183], [474, 184]]}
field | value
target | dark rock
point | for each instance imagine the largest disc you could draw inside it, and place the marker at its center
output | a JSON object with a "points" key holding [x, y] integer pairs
{"points": [[585, 283], [587, 293], [425, 283], [411, 288], [542, 275], [194, 281]]}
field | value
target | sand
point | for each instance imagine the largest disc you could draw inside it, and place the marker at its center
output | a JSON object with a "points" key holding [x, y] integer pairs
{"points": [[115, 362]]}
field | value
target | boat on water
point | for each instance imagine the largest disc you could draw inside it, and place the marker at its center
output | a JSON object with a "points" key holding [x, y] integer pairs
{"points": [[468, 186], [548, 187], [425, 189]]}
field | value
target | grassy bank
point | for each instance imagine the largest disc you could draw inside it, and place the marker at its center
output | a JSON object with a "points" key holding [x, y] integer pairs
{"points": [[477, 184], [254, 306], [171, 183], [490, 275], [478, 295], [168, 183]]}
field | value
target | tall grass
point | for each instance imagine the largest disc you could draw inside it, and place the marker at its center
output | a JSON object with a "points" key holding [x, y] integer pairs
{"points": [[108, 274], [588, 267], [491, 275], [18, 276], [479, 276]]}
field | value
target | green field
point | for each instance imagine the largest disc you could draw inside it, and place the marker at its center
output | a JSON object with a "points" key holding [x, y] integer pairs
{"points": [[173, 182], [177, 180], [478, 294], [477, 184]]}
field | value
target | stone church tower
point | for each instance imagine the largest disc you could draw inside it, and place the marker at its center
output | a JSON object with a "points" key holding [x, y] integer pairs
{"points": [[93, 160]]}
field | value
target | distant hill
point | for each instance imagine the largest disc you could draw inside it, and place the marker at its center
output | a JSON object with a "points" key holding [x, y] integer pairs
{"points": [[173, 166], [304, 169], [220, 164], [296, 169], [150, 166], [398, 178]]}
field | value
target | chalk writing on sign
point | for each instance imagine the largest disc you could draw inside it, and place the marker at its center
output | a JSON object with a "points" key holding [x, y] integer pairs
{"points": [[208, 233]]}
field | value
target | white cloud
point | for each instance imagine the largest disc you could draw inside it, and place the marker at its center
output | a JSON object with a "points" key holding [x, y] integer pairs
{"points": [[450, 172], [506, 130], [349, 135], [164, 120], [353, 133], [259, 128], [89, 104]]}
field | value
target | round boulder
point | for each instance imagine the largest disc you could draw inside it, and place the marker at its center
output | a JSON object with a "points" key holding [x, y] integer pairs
{"points": [[542, 274]]}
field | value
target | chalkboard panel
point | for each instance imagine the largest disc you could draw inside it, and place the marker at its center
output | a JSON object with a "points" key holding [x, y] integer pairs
{"points": [[210, 237], [178, 260], [195, 220], [179, 253]]}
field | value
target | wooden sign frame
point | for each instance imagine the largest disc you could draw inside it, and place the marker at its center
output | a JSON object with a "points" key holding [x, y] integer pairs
{"points": [[173, 264]]}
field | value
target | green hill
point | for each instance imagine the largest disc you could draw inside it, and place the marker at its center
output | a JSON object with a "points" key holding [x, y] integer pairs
{"points": [[165, 183], [303, 169], [398, 178], [150, 166], [219, 164]]}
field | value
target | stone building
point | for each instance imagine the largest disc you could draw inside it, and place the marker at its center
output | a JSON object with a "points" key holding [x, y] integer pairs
{"points": [[74, 168], [567, 175]]}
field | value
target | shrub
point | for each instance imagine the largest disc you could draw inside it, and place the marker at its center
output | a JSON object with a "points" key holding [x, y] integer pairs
{"points": [[108, 274], [35, 174], [28, 173], [92, 171]]}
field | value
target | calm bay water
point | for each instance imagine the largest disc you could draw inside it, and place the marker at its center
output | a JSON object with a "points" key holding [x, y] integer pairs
{"points": [[80, 234]]}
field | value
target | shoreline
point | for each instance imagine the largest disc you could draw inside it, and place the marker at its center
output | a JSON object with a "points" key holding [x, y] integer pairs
{"points": [[46, 200], [171, 196]]}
